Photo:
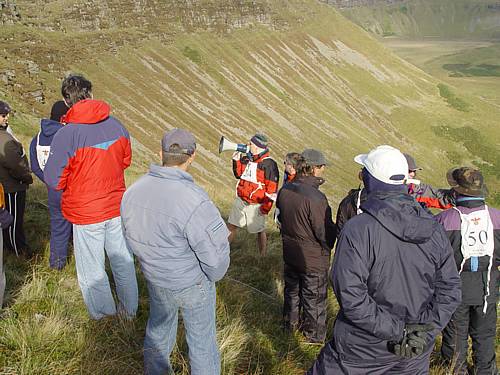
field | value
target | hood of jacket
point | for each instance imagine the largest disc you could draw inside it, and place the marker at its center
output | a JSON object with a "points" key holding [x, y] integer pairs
{"points": [[87, 111], [401, 215], [50, 127]]}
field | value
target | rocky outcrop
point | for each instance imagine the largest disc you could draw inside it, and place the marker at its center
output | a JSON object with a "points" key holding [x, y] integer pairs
{"points": [[9, 13]]}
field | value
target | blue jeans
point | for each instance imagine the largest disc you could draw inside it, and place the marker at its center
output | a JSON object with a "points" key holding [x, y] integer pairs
{"points": [[197, 305], [90, 242]]}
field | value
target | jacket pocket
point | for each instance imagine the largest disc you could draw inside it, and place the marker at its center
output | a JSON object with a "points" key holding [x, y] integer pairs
{"points": [[218, 233]]}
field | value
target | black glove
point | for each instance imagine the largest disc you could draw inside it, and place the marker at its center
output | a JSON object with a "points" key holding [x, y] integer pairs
{"points": [[414, 341]]}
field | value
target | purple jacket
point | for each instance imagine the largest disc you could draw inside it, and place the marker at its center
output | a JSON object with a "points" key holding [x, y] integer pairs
{"points": [[473, 284]]}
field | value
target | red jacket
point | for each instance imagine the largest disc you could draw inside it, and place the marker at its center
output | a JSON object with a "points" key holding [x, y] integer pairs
{"points": [[87, 160], [258, 180]]}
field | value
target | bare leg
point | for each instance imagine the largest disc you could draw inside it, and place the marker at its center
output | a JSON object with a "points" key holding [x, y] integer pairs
{"points": [[232, 231], [262, 242]]}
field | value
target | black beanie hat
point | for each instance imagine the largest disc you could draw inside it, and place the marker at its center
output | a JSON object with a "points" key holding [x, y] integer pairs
{"points": [[259, 140], [58, 110], [4, 108]]}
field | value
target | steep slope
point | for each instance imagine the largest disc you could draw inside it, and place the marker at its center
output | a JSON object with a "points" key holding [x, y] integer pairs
{"points": [[297, 70], [453, 19]]}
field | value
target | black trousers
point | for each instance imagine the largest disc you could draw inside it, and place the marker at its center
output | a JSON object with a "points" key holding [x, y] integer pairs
{"points": [[305, 302], [13, 237], [470, 321]]}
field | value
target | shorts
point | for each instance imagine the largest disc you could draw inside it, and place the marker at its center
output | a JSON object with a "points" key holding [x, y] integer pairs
{"points": [[248, 215]]}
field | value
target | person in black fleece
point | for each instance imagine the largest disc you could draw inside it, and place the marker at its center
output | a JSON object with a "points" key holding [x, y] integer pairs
{"points": [[308, 234]]}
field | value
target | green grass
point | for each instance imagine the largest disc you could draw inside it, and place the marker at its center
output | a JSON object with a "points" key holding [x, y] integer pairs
{"points": [[46, 329], [449, 19], [454, 101]]}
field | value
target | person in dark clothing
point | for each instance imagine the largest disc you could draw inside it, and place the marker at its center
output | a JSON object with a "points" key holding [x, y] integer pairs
{"points": [[350, 206], [308, 234], [474, 232], [394, 277], [60, 228], [15, 176]]}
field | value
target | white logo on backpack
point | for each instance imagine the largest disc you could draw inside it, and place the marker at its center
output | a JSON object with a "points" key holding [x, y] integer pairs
{"points": [[477, 239], [42, 153]]}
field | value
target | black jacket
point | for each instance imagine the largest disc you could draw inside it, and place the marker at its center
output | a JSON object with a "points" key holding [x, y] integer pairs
{"points": [[15, 174], [348, 207], [307, 227], [393, 265]]}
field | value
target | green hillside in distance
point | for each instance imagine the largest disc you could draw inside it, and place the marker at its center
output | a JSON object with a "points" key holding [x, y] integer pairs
{"points": [[450, 19], [297, 70]]}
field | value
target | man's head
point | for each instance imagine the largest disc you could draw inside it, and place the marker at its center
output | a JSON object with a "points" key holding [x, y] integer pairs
{"points": [[313, 163], [386, 164], [467, 181], [412, 166], [58, 110], [178, 148], [258, 144], [4, 113], [291, 161], [75, 88]]}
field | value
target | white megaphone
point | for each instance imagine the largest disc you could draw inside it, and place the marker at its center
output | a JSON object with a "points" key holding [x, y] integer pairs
{"points": [[225, 145]]}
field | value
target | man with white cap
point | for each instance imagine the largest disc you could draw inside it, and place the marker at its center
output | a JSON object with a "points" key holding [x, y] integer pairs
{"points": [[394, 277]]}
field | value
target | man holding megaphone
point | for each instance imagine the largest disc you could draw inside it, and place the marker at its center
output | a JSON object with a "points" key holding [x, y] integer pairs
{"points": [[256, 191]]}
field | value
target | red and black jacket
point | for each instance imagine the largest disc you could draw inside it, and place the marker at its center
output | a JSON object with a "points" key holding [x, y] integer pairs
{"points": [[265, 184]]}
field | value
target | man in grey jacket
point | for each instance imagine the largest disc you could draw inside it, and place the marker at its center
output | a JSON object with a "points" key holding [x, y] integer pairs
{"points": [[181, 241]]}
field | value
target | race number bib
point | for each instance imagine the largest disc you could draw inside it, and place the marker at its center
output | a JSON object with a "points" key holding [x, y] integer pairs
{"points": [[477, 234], [250, 173], [42, 153]]}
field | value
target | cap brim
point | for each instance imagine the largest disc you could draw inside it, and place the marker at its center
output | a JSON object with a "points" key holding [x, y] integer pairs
{"points": [[361, 158]]}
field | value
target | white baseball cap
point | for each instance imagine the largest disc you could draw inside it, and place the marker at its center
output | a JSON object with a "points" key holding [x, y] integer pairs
{"points": [[386, 164]]}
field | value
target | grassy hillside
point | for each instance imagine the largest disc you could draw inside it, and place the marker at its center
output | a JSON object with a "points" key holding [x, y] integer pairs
{"points": [[297, 70], [449, 19]]}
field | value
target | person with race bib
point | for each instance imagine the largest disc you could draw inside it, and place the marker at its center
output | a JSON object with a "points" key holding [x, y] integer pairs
{"points": [[474, 232], [60, 228], [258, 177]]}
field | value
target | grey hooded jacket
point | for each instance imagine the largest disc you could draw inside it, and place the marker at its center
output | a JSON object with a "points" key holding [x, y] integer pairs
{"points": [[174, 229]]}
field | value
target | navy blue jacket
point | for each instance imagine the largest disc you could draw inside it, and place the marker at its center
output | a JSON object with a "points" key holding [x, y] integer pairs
{"points": [[393, 265], [48, 128]]}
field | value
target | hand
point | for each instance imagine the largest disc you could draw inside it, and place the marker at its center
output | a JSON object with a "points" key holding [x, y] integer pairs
{"points": [[236, 155], [414, 341]]}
